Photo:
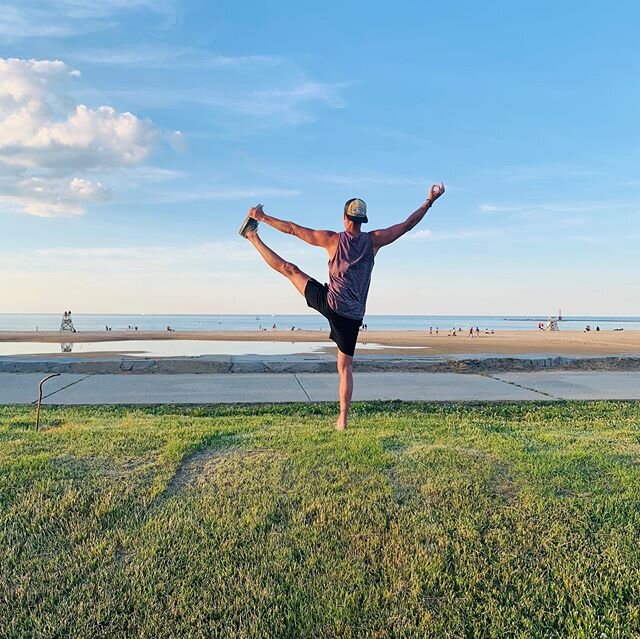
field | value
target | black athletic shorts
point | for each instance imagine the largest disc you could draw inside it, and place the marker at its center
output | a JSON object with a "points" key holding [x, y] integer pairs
{"points": [[344, 330]]}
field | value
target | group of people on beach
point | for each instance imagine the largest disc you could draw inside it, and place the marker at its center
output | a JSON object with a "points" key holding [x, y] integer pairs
{"points": [[473, 332]]}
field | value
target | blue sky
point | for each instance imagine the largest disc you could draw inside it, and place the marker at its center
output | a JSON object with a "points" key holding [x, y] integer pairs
{"points": [[131, 150]]}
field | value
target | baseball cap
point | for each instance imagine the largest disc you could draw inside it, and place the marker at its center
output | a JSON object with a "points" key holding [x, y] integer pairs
{"points": [[356, 210]]}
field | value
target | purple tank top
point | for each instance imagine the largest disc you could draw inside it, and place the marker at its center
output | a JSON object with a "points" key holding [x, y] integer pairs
{"points": [[350, 274]]}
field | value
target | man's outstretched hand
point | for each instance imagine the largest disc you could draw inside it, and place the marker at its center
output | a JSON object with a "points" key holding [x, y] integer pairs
{"points": [[256, 212], [436, 191]]}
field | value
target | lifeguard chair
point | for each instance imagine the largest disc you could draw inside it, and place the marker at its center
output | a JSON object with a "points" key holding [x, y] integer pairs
{"points": [[66, 325]]}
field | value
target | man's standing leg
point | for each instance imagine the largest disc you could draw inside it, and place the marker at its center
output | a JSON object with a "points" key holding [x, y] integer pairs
{"points": [[345, 370], [300, 279]]}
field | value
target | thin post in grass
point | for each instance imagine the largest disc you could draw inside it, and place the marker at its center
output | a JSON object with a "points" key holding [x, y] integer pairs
{"points": [[42, 381]]}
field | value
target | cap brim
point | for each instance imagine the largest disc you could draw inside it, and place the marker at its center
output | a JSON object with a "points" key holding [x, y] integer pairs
{"points": [[357, 219]]}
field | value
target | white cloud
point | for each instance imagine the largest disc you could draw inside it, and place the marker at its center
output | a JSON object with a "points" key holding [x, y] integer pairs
{"points": [[178, 141], [54, 197], [46, 140], [88, 190], [424, 234]]}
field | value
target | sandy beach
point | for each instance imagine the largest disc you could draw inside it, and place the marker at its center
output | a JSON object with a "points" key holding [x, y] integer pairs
{"points": [[393, 342]]}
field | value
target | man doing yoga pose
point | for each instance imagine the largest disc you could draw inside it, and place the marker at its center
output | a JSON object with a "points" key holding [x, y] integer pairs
{"points": [[351, 256]]}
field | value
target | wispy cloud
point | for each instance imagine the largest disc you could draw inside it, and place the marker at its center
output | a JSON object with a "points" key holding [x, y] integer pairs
{"points": [[65, 18], [289, 104], [160, 258], [551, 171], [460, 234], [290, 173], [587, 206], [203, 195], [154, 174], [587, 239], [202, 257], [365, 180], [231, 250], [168, 57]]}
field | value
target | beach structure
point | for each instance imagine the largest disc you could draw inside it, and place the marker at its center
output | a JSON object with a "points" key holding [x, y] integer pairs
{"points": [[66, 325]]}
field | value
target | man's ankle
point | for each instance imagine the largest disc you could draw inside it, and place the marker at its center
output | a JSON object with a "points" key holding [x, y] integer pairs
{"points": [[343, 418]]}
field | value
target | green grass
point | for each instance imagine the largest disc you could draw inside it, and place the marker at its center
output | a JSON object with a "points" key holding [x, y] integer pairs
{"points": [[422, 520]]}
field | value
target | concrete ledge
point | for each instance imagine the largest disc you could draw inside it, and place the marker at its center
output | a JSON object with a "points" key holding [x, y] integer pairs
{"points": [[314, 364]]}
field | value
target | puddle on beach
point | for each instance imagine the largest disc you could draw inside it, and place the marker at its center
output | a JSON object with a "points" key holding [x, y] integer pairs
{"points": [[173, 348]]}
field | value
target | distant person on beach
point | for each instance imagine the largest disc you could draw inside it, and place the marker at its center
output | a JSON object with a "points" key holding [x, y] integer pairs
{"points": [[351, 258]]}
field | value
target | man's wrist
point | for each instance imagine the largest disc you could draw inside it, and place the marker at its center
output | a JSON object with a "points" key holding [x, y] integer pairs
{"points": [[428, 203]]}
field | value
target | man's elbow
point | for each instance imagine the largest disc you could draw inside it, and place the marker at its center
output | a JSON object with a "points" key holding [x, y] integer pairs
{"points": [[409, 226]]}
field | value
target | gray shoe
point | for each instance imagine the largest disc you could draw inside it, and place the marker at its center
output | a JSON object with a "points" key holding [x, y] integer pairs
{"points": [[247, 226]]}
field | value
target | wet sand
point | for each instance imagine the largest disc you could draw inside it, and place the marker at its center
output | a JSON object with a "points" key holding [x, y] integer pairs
{"points": [[394, 342]]}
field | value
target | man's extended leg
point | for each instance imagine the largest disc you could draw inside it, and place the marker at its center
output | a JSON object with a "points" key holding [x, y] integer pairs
{"points": [[345, 370], [289, 270]]}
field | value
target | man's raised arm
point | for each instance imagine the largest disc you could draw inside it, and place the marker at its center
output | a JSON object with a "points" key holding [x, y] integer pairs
{"points": [[382, 237], [326, 239]]}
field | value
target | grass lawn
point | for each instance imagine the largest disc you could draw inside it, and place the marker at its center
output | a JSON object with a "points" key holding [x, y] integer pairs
{"points": [[423, 520]]}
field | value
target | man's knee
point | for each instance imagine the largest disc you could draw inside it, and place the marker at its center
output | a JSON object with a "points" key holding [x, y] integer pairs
{"points": [[290, 270], [345, 363]]}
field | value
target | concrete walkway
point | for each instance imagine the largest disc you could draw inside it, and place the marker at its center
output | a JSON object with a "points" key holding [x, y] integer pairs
{"points": [[21, 388]]}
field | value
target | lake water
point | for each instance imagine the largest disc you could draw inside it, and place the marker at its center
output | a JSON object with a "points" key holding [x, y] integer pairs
{"points": [[173, 348], [86, 322]]}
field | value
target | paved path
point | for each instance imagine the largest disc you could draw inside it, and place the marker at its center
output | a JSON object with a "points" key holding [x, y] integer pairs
{"points": [[21, 388]]}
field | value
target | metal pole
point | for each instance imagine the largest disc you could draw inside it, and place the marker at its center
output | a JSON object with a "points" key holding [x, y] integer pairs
{"points": [[40, 397]]}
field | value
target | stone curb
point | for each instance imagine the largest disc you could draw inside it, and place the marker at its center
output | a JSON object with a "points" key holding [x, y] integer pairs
{"points": [[233, 365]]}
